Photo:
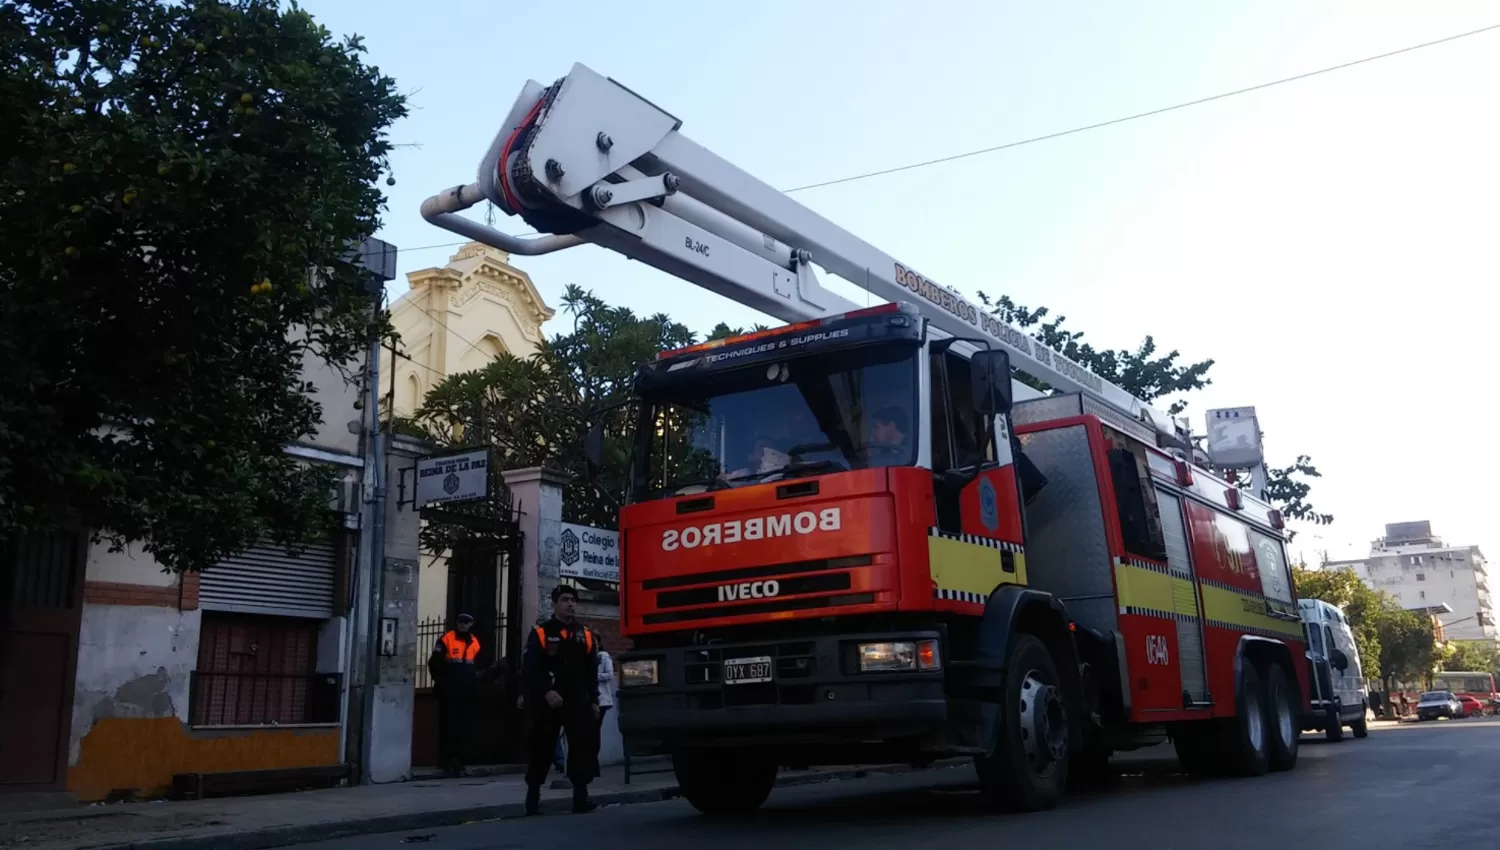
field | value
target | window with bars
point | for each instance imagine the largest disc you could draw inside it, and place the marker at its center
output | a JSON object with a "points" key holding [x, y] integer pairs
{"points": [[257, 670]]}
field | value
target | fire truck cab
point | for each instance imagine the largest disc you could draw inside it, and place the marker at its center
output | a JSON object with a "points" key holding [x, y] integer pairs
{"points": [[856, 539]]}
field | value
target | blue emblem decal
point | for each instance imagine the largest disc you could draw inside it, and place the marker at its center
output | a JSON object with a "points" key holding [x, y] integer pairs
{"points": [[989, 505]]}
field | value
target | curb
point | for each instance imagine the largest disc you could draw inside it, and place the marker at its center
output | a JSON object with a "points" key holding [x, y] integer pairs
{"points": [[281, 836]]}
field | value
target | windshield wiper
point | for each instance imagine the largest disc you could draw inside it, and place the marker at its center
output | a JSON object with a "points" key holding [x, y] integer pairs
{"points": [[791, 470], [715, 483]]}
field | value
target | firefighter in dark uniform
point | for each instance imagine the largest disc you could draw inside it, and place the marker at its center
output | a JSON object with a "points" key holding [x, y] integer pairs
{"points": [[456, 676], [559, 670]]}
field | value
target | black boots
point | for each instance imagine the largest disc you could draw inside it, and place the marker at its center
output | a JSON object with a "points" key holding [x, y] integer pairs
{"points": [[582, 805]]}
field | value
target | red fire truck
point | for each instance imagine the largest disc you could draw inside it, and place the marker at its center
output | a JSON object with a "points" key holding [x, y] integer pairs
{"points": [[854, 539]]}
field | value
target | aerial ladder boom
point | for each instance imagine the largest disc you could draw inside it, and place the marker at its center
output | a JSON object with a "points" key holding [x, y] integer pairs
{"points": [[588, 160]]}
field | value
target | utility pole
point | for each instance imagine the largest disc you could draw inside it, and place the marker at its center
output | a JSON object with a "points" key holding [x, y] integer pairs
{"points": [[378, 260]]}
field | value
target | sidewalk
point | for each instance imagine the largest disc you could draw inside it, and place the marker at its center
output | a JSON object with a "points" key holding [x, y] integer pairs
{"points": [[252, 823]]}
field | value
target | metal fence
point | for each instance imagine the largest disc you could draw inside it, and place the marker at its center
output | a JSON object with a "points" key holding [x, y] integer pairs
{"points": [[428, 632], [263, 699]]}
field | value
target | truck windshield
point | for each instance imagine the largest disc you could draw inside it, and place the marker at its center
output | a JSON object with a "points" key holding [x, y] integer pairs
{"points": [[837, 410]]}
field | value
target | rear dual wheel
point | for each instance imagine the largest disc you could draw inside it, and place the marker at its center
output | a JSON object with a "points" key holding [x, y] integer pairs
{"points": [[1263, 735], [1284, 710]]}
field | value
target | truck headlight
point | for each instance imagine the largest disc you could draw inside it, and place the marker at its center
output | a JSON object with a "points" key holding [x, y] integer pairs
{"points": [[639, 672], [896, 656]]}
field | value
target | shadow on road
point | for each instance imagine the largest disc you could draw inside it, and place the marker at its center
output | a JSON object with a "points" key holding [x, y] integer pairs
{"points": [[947, 798]]}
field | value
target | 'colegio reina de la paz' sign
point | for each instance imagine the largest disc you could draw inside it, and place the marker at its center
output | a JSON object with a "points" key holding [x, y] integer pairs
{"points": [[457, 477]]}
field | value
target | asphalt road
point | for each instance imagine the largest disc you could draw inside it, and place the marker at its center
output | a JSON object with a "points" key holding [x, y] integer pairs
{"points": [[1414, 786]]}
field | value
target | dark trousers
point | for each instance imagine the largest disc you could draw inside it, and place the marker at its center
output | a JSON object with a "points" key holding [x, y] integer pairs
{"points": [[456, 713], [576, 719]]}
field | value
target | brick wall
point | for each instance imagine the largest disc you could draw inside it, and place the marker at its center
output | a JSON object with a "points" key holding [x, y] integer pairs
{"points": [[184, 593]]}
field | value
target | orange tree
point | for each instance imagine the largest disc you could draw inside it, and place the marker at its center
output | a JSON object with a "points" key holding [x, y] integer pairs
{"points": [[169, 175]]}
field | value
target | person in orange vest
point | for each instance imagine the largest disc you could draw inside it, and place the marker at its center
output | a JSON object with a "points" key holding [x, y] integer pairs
{"points": [[456, 676], [559, 670]]}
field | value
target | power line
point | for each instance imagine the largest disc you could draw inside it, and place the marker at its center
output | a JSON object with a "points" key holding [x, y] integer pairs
{"points": [[1008, 145], [1096, 126]]}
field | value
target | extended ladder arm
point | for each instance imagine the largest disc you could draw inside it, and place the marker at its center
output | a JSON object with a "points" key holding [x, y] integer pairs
{"points": [[587, 160]]}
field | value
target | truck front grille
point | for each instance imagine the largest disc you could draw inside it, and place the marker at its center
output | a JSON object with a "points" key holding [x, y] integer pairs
{"points": [[802, 603], [704, 595], [793, 660]]}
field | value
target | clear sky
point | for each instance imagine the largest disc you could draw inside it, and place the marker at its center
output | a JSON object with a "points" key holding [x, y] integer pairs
{"points": [[1331, 242]]}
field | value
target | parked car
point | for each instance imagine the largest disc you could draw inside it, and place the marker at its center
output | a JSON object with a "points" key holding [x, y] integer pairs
{"points": [[1434, 704], [1472, 707]]}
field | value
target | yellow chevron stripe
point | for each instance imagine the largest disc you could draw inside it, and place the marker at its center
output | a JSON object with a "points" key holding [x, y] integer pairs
{"points": [[1141, 588], [1249, 610], [969, 567]]}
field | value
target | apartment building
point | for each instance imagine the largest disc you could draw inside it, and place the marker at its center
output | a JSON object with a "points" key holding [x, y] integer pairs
{"points": [[1420, 570]]}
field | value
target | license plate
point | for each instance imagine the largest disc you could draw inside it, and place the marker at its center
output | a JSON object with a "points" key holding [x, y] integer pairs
{"points": [[747, 671]]}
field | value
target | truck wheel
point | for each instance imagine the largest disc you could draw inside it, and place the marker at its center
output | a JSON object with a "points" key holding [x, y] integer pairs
{"points": [[1335, 728], [1027, 769], [1281, 710], [1247, 735], [724, 782], [1361, 726]]}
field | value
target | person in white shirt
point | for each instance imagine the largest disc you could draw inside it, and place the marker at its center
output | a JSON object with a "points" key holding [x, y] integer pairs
{"points": [[606, 697]]}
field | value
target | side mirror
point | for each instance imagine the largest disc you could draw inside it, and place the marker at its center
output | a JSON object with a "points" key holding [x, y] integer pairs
{"points": [[990, 377], [1339, 659], [593, 448]]}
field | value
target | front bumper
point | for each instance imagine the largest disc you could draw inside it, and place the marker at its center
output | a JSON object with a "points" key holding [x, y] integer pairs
{"points": [[817, 695]]}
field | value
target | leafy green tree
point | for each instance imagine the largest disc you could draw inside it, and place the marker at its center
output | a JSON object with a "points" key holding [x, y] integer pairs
{"points": [[1287, 489], [1481, 655], [169, 175], [536, 411], [1149, 374], [723, 331], [1144, 372], [1408, 649]]}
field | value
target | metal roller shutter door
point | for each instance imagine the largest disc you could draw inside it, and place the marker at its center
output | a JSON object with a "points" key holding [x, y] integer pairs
{"points": [[266, 579]]}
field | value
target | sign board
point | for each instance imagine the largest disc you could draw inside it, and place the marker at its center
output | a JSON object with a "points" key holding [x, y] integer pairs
{"points": [[460, 477], [1234, 438], [588, 552]]}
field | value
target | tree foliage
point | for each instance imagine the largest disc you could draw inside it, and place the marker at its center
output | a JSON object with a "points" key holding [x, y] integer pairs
{"points": [[536, 411], [723, 331], [169, 175], [1287, 488], [1409, 652], [1360, 603], [1144, 372], [1393, 643], [1149, 374], [1471, 655]]}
